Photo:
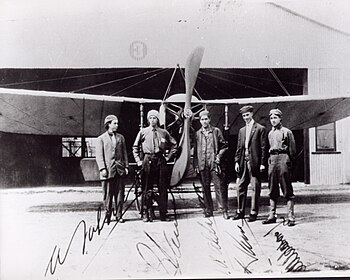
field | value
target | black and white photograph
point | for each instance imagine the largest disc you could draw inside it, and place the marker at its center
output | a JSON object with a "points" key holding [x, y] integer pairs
{"points": [[173, 139]]}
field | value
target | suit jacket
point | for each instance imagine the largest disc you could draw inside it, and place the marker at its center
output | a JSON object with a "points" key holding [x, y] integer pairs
{"points": [[257, 147], [113, 159], [220, 147]]}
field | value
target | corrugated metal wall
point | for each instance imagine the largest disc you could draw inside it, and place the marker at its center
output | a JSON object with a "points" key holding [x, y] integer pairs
{"points": [[330, 168]]}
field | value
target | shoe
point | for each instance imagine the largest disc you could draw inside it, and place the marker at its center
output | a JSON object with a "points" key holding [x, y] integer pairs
{"points": [[238, 216], [252, 217], [269, 221], [152, 215], [108, 218], [291, 223], [208, 214], [225, 215], [120, 220], [146, 217]]}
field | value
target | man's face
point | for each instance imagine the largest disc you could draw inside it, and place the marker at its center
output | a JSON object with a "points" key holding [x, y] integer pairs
{"points": [[205, 121], [247, 117], [113, 126], [153, 121], [275, 120]]}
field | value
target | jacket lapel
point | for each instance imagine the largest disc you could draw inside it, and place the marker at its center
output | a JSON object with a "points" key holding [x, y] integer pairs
{"points": [[252, 132]]}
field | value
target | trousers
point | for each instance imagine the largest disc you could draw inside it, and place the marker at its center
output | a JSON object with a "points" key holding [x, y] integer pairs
{"points": [[221, 190], [242, 190], [154, 172], [113, 188], [279, 174]]}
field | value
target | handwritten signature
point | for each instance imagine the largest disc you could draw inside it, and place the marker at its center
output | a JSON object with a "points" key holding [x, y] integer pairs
{"points": [[58, 258], [292, 262], [169, 261], [245, 247], [214, 244]]}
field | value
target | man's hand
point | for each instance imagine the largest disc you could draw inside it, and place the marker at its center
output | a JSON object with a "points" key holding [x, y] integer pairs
{"points": [[196, 170], [237, 167], [139, 163], [104, 172], [126, 171], [262, 168]]}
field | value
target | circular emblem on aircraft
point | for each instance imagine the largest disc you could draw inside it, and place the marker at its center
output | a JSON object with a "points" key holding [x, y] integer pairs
{"points": [[138, 50], [188, 113]]}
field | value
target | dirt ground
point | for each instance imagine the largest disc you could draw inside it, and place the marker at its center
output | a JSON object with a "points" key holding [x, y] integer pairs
{"points": [[55, 233]]}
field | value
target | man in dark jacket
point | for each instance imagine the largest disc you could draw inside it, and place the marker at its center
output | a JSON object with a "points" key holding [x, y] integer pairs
{"points": [[112, 161], [250, 162], [209, 147]]}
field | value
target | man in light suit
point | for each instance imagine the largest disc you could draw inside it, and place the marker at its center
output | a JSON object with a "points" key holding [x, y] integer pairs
{"points": [[112, 161], [250, 161]]}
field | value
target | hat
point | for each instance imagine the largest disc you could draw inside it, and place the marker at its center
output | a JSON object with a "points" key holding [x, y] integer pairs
{"points": [[153, 113], [246, 109], [204, 113], [110, 118], [277, 112]]}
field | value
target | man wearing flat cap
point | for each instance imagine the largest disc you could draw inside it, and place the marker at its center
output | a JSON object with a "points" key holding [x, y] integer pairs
{"points": [[150, 151], [209, 148], [282, 152], [112, 161], [250, 161]]}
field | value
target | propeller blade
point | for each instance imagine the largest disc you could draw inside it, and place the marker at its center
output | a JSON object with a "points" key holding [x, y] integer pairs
{"points": [[191, 73], [162, 114]]}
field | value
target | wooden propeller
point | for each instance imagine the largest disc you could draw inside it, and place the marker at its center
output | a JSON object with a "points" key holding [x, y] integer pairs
{"points": [[191, 72]]}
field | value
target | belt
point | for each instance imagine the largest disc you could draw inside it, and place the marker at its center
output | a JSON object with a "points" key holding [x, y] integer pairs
{"points": [[154, 154], [276, 152]]}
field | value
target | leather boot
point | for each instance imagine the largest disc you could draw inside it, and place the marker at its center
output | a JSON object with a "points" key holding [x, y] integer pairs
{"points": [[146, 217], [272, 215], [291, 218]]}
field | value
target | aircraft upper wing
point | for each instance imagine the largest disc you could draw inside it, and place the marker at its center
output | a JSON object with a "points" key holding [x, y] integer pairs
{"points": [[299, 112], [56, 113]]}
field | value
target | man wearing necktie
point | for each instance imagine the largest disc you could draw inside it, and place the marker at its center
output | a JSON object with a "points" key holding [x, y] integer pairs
{"points": [[112, 161], [250, 161], [150, 151]]}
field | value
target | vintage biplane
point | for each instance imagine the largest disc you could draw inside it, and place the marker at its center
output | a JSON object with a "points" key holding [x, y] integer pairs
{"points": [[26, 112]]}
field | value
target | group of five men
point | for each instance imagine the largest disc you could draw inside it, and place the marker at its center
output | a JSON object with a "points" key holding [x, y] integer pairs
{"points": [[154, 147]]}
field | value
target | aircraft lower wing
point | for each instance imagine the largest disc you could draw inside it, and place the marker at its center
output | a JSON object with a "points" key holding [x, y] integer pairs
{"points": [[56, 113]]}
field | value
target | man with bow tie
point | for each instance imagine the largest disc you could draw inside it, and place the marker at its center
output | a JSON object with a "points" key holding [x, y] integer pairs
{"points": [[150, 152], [250, 161], [112, 162]]}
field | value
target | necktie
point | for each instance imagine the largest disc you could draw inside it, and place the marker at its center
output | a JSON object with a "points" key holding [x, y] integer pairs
{"points": [[247, 135], [114, 140], [155, 141]]}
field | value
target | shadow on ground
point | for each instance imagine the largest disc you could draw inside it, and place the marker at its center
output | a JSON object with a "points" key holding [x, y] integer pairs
{"points": [[185, 203]]}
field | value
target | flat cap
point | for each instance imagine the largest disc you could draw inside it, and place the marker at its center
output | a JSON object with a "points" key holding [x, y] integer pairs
{"points": [[153, 113], [110, 118], [245, 109], [204, 113], [277, 112]]}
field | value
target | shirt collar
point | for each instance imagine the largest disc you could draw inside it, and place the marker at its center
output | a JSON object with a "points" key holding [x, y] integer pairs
{"points": [[209, 129], [278, 127], [251, 123]]}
